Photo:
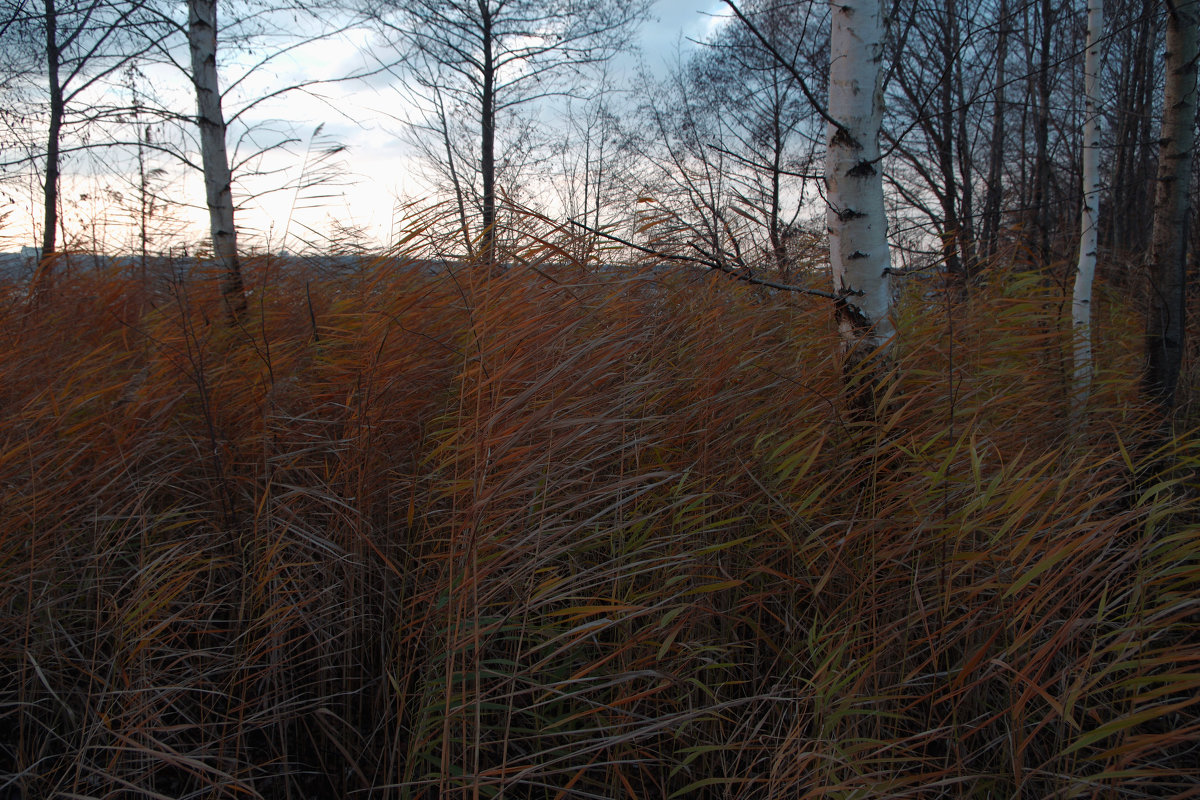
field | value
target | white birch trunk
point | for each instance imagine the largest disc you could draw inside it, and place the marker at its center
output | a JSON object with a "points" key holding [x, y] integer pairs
{"points": [[1081, 303], [202, 41], [858, 247]]}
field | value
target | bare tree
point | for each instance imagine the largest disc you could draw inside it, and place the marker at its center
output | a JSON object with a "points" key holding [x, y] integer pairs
{"points": [[687, 173], [594, 151], [995, 174], [937, 70], [1165, 328], [80, 44], [496, 55], [1046, 16], [218, 178], [731, 138], [765, 128], [1134, 64], [268, 31]]}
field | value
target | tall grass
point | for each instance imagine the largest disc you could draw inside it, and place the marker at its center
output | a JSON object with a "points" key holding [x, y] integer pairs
{"points": [[553, 534]]}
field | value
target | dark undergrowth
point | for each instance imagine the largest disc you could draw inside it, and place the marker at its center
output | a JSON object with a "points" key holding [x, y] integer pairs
{"points": [[551, 534]]}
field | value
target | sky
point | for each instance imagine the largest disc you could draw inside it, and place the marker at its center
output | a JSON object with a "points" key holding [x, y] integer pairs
{"points": [[364, 117], [379, 168]]}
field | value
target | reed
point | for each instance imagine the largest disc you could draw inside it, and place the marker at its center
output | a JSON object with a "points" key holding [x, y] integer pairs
{"points": [[565, 532]]}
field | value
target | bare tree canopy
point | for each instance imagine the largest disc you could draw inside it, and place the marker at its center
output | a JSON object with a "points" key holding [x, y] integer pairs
{"points": [[492, 56]]}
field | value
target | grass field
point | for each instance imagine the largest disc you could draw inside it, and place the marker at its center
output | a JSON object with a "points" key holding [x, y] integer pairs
{"points": [[553, 535]]}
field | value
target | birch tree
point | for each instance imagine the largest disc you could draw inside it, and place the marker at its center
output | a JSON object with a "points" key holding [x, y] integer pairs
{"points": [[218, 180], [69, 50], [1089, 225], [858, 246], [1165, 321]]}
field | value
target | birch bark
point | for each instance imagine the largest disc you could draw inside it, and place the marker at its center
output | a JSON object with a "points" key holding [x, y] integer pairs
{"points": [[858, 247], [202, 41], [1089, 226]]}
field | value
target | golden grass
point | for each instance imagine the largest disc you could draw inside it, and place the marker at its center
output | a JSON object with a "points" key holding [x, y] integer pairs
{"points": [[554, 534]]}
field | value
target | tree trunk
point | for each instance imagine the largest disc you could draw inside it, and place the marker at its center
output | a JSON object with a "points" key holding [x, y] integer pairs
{"points": [[145, 202], [1041, 188], [455, 183], [858, 247], [1089, 224], [946, 146], [991, 206], [1027, 110], [600, 167], [1126, 232], [778, 249], [487, 145], [50, 219], [1143, 178], [202, 40], [1165, 323], [966, 204]]}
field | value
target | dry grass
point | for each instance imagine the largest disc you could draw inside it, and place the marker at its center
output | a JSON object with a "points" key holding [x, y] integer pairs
{"points": [[554, 535]]}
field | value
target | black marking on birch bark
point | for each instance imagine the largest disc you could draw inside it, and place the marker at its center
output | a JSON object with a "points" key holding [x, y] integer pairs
{"points": [[863, 169], [842, 137], [854, 315], [847, 214], [857, 254]]}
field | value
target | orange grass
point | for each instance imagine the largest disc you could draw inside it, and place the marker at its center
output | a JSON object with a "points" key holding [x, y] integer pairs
{"points": [[559, 534]]}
